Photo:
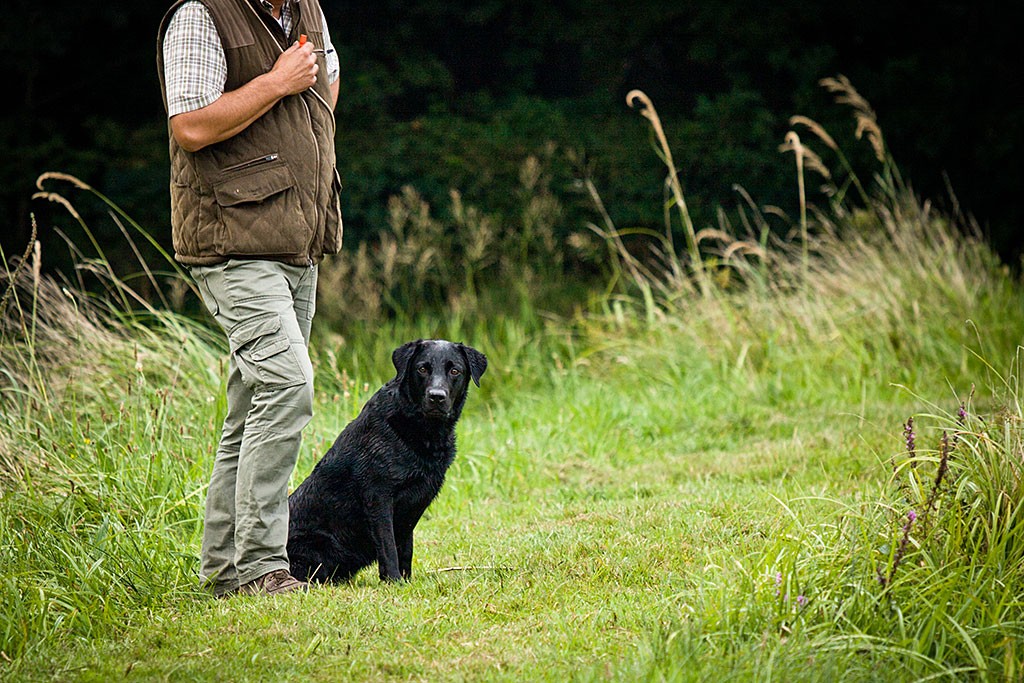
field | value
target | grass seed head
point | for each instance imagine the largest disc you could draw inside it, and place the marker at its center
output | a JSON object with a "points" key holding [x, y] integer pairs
{"points": [[815, 128]]}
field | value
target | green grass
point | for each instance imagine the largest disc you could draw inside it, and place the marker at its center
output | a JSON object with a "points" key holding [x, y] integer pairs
{"points": [[695, 480]]}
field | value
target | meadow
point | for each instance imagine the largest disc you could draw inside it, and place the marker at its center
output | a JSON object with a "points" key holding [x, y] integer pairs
{"points": [[744, 457]]}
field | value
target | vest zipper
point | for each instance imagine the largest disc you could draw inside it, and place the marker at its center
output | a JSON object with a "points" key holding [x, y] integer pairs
{"points": [[316, 194], [266, 159], [316, 145]]}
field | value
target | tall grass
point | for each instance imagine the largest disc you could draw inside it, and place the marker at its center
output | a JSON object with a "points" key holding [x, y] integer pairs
{"points": [[98, 474], [878, 280], [917, 578], [455, 259], [920, 578]]}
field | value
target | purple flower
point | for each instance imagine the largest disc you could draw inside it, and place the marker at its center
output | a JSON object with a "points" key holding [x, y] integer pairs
{"points": [[801, 600], [908, 435], [778, 584], [900, 549], [961, 423]]}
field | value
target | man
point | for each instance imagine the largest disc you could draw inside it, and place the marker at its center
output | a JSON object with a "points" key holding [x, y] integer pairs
{"points": [[250, 88]]}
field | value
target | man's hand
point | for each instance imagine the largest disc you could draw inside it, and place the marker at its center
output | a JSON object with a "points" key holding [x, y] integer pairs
{"points": [[293, 72]]}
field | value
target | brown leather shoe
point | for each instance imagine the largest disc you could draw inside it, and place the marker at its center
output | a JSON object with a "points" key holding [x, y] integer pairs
{"points": [[276, 582]]}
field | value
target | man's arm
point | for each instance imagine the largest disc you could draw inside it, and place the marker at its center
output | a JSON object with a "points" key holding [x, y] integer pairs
{"points": [[334, 93], [293, 72]]}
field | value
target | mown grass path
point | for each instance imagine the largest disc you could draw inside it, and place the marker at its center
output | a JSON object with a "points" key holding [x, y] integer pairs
{"points": [[586, 519]]}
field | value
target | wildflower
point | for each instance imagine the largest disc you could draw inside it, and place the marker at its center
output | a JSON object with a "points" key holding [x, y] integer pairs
{"points": [[908, 435], [778, 584], [945, 448], [961, 422], [900, 550], [801, 600]]}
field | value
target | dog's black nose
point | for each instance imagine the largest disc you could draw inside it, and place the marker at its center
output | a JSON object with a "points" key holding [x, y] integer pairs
{"points": [[436, 396]]}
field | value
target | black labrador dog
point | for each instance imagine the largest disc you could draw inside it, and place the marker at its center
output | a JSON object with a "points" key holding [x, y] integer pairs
{"points": [[365, 496]]}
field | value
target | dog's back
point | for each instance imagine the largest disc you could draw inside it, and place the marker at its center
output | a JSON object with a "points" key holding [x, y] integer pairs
{"points": [[363, 499]]}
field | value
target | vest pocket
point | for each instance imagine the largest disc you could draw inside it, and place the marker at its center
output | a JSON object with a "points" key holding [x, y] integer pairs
{"points": [[260, 209]]}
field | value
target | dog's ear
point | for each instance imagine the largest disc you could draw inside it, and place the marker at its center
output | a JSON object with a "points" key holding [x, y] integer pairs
{"points": [[402, 357], [476, 361]]}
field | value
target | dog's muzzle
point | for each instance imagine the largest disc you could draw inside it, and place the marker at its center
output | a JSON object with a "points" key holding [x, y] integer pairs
{"points": [[436, 402]]}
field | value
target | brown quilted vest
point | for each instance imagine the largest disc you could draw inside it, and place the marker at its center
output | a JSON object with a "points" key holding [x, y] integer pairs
{"points": [[271, 191]]}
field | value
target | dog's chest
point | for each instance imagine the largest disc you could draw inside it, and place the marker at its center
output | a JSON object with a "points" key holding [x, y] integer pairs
{"points": [[418, 473], [416, 492], [416, 467]]}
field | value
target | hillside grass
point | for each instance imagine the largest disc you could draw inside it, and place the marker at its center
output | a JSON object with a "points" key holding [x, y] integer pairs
{"points": [[709, 475]]}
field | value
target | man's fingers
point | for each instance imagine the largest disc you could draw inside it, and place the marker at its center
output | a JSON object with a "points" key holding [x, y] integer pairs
{"points": [[296, 46], [298, 65]]}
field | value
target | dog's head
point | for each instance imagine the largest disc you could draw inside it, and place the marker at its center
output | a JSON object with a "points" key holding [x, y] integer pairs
{"points": [[434, 374]]}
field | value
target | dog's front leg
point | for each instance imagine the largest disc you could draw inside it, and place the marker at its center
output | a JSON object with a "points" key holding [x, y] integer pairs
{"points": [[382, 526], [405, 556]]}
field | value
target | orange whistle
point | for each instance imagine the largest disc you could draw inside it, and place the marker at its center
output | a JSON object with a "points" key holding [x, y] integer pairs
{"points": [[302, 39]]}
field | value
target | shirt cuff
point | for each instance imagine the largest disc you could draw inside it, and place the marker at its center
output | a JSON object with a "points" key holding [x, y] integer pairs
{"points": [[186, 104]]}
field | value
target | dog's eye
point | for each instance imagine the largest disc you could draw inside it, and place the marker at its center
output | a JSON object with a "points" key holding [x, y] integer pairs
{"points": [[423, 370], [455, 372]]}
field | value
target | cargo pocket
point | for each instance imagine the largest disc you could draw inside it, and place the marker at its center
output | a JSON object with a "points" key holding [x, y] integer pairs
{"points": [[264, 354], [260, 209]]}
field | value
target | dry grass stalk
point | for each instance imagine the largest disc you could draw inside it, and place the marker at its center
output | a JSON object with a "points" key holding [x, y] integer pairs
{"points": [[867, 121], [777, 211], [793, 143], [846, 93], [37, 263], [744, 248], [651, 114], [611, 235], [66, 177], [58, 337], [869, 126], [809, 159], [59, 199], [713, 234], [11, 467], [12, 278], [815, 128]]}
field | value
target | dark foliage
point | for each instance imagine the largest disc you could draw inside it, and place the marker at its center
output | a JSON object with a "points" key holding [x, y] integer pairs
{"points": [[457, 93]]}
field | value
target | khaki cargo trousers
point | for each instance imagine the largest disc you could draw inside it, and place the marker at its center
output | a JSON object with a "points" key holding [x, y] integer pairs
{"points": [[266, 309]]}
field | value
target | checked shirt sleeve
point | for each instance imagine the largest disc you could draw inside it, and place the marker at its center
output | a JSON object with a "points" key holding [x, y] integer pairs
{"points": [[330, 55], [195, 69]]}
